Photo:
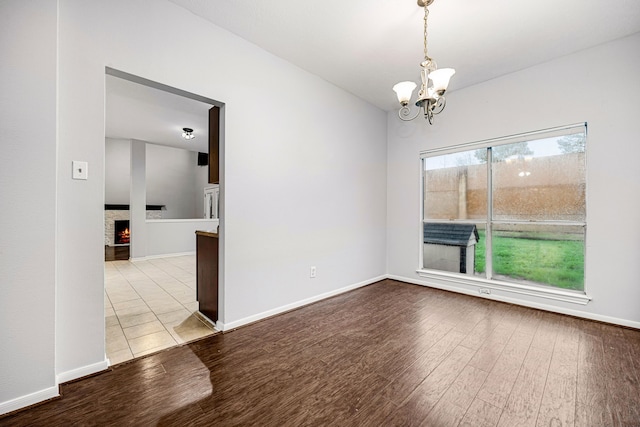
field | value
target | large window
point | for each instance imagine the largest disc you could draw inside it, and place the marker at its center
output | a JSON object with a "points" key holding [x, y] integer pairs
{"points": [[511, 210]]}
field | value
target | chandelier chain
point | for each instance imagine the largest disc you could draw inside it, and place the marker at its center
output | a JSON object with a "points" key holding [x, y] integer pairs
{"points": [[426, 15]]}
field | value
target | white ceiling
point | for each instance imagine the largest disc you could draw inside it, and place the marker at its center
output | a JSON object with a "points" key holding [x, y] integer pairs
{"points": [[136, 111], [366, 46]]}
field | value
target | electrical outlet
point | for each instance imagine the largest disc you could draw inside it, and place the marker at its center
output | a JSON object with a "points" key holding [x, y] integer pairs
{"points": [[485, 291], [312, 272]]}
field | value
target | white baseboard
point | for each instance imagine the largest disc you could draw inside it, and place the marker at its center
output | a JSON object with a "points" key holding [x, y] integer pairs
{"points": [[83, 371], [146, 258], [51, 392], [29, 399], [530, 304], [250, 319]]}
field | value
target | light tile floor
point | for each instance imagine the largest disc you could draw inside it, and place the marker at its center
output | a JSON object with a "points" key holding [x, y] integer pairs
{"points": [[151, 305]]}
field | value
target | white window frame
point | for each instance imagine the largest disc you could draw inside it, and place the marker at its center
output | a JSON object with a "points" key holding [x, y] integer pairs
{"points": [[482, 284]]}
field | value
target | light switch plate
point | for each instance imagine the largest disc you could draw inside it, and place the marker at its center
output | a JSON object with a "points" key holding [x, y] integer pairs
{"points": [[80, 170]]}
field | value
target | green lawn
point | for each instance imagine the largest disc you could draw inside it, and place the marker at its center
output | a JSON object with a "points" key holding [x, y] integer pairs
{"points": [[550, 260]]}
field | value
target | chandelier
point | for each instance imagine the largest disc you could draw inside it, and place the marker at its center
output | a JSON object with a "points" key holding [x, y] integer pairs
{"points": [[431, 99]]}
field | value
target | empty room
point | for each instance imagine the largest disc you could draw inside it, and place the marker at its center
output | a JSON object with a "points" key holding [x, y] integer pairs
{"points": [[426, 213]]}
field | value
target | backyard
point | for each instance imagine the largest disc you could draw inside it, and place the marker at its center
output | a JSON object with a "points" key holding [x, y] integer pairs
{"points": [[551, 259]]}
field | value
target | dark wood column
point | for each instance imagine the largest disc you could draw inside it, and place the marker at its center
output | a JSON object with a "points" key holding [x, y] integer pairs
{"points": [[214, 145]]}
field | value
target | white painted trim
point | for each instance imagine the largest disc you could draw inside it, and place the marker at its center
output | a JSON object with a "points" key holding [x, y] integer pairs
{"points": [[297, 304], [507, 139], [205, 319], [146, 258], [29, 399], [545, 307], [547, 293], [83, 371]]}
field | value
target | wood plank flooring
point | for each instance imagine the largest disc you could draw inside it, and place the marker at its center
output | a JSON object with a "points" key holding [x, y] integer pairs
{"points": [[389, 354]]}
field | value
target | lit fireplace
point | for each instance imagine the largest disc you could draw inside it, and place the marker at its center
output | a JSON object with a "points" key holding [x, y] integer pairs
{"points": [[121, 232]]}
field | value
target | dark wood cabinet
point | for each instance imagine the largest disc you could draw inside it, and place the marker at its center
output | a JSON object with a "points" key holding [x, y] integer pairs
{"points": [[214, 145], [207, 274]]}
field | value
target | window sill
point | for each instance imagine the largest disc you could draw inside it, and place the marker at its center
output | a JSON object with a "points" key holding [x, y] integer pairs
{"points": [[574, 297]]}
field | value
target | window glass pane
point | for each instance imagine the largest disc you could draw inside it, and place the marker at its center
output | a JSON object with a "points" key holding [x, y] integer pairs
{"points": [[455, 186], [452, 247], [542, 179], [539, 254], [536, 212]]}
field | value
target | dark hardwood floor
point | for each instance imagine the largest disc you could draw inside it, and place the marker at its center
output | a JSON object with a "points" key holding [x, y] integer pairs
{"points": [[389, 354]]}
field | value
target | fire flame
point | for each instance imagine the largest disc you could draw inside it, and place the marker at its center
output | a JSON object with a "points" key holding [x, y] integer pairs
{"points": [[124, 235]]}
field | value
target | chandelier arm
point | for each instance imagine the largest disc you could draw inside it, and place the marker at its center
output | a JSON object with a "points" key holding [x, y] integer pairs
{"points": [[404, 112], [428, 114], [439, 105]]}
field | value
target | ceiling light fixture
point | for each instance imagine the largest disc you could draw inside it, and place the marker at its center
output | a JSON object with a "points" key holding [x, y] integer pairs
{"points": [[187, 133], [434, 83]]}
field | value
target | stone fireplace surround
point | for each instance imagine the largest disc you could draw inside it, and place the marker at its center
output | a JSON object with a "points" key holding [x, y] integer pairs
{"points": [[121, 212]]}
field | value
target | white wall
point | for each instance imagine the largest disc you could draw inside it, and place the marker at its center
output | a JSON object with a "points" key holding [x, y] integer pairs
{"points": [[565, 91], [173, 178], [304, 182], [27, 195], [117, 171], [175, 236], [172, 181]]}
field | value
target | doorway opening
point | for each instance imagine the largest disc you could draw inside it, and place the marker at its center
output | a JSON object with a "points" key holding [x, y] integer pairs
{"points": [[155, 186]]}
